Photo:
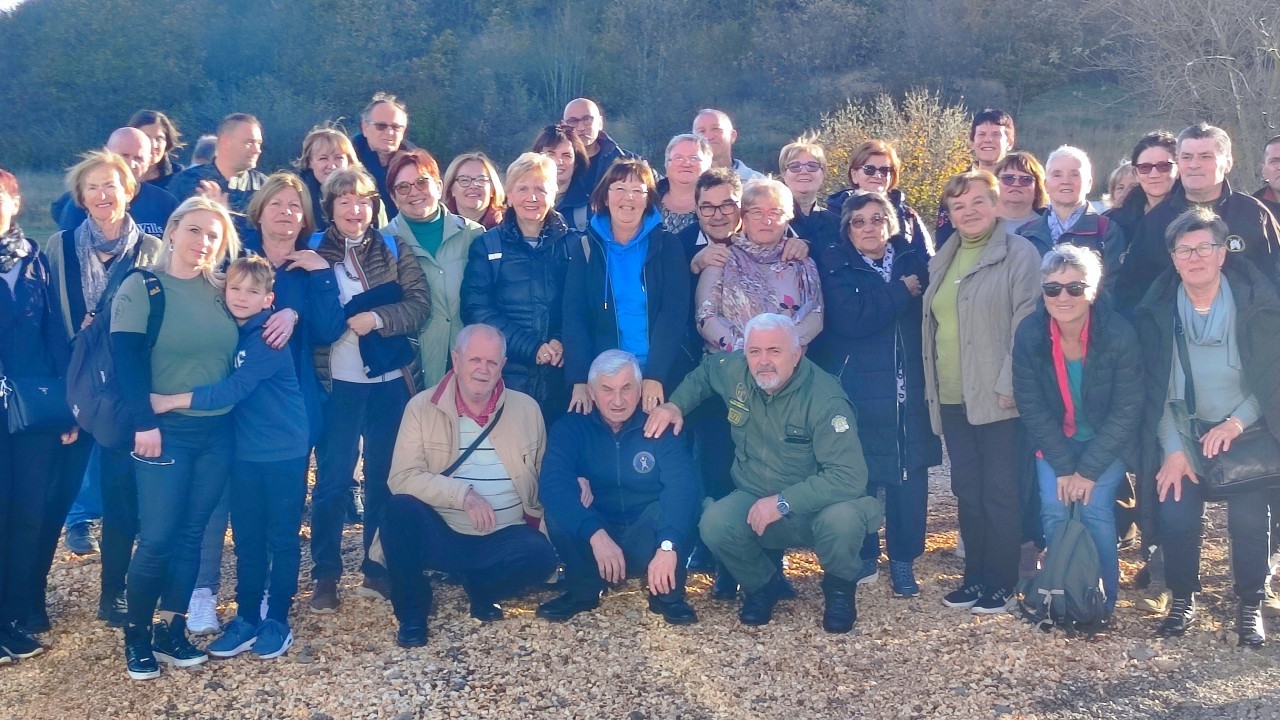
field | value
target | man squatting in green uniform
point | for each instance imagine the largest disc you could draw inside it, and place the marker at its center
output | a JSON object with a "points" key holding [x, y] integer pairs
{"points": [[798, 469]]}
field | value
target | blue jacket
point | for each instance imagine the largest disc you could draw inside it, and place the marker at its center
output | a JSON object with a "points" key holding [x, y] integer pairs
{"points": [[1092, 231], [33, 338], [268, 401], [627, 472], [872, 323], [150, 210]]}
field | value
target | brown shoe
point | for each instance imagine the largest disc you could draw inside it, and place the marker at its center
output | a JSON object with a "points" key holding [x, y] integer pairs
{"points": [[378, 588], [324, 597]]}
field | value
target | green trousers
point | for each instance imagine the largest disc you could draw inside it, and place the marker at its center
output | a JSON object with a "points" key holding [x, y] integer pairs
{"points": [[835, 533]]}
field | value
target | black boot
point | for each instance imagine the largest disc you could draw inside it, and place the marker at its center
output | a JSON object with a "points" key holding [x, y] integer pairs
{"points": [[139, 660], [841, 607], [1249, 625], [1182, 615], [757, 607], [170, 644], [785, 591], [674, 609], [725, 586]]}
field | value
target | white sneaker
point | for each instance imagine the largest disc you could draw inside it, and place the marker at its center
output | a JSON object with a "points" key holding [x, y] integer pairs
{"points": [[959, 546], [202, 613]]}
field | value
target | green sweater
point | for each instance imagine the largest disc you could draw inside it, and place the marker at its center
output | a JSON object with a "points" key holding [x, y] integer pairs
{"points": [[946, 312], [428, 233]]}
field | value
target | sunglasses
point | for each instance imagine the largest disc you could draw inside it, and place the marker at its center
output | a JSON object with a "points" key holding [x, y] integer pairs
{"points": [[1074, 289], [1161, 167], [161, 461], [811, 166], [421, 183], [1017, 180], [384, 126], [874, 221], [883, 171]]}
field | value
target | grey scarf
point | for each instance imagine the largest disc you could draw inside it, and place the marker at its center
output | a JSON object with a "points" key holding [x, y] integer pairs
{"points": [[1216, 329], [13, 248], [89, 242]]}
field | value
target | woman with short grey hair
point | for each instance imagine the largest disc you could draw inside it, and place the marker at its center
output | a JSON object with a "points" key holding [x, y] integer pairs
{"points": [[688, 156]]}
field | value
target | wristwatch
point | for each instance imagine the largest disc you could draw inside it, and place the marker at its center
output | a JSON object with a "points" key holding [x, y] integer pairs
{"points": [[784, 507], [667, 546]]}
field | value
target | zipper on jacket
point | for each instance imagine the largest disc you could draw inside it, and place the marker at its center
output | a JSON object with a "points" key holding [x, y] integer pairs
{"points": [[617, 474]]}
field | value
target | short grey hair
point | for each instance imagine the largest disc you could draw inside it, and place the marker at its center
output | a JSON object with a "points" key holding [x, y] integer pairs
{"points": [[703, 147], [1192, 219], [1080, 156], [772, 321], [470, 331], [1067, 256], [760, 188], [611, 362], [1221, 140], [862, 198]]}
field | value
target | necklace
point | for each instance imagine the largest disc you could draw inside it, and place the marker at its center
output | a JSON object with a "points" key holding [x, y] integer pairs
{"points": [[1203, 310]]}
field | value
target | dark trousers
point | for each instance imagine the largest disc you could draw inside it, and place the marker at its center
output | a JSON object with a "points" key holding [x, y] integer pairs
{"points": [[117, 471], [27, 465], [266, 515], [712, 447], [986, 483], [1248, 526], [638, 540], [415, 539], [174, 504], [68, 474], [353, 411], [906, 509]]}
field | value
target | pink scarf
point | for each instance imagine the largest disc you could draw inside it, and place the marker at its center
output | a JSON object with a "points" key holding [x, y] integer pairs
{"points": [[1060, 369]]}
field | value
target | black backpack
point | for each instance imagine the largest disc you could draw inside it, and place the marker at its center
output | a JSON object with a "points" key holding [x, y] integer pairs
{"points": [[92, 389], [1067, 592]]}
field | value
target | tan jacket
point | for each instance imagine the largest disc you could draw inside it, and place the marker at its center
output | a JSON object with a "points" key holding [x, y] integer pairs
{"points": [[994, 296], [428, 444]]}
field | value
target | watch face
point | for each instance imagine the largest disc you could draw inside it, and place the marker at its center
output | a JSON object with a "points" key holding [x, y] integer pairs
{"points": [[667, 546]]}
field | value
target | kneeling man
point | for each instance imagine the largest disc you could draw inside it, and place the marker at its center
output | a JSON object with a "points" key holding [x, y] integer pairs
{"points": [[798, 469], [464, 483], [617, 501]]}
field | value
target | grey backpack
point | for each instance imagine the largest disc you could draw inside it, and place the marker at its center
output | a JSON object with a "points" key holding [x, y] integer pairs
{"points": [[1067, 592]]}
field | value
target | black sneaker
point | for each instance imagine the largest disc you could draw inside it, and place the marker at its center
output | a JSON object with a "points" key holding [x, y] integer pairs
{"points": [[113, 609], [80, 541], [1249, 625], [170, 644], [139, 660], [994, 601], [17, 642], [840, 608], [1182, 615], [411, 635], [566, 606], [965, 597]]}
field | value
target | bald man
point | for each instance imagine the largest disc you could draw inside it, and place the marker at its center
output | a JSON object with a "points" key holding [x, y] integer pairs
{"points": [[150, 207], [586, 119], [716, 128]]}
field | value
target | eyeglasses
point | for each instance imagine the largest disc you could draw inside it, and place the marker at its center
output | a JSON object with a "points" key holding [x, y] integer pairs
{"points": [[1182, 252], [1074, 289], [584, 120], [1161, 167], [385, 126], [811, 166], [876, 220], [685, 159], [759, 215], [1017, 180], [467, 181], [725, 208], [626, 192], [421, 183], [883, 171]]}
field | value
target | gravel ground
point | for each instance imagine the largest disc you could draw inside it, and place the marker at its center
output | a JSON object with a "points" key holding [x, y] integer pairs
{"points": [[904, 659]]}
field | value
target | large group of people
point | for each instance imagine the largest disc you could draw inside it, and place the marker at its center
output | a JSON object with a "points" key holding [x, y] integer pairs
{"points": [[579, 371]]}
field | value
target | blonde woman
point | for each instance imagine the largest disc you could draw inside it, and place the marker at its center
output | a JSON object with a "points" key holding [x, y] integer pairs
{"points": [[472, 189]]}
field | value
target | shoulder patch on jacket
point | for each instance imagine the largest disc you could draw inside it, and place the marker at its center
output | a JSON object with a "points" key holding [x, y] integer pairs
{"points": [[840, 424]]}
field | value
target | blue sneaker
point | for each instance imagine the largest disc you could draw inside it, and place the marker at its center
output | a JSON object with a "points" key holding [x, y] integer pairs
{"points": [[237, 637], [274, 639], [869, 573], [902, 576]]}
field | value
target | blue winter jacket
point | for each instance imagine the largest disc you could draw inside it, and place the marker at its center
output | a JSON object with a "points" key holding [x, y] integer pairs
{"points": [[33, 338]]}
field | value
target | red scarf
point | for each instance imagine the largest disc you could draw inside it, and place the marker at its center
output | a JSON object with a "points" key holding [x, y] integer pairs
{"points": [[480, 419], [1060, 369]]}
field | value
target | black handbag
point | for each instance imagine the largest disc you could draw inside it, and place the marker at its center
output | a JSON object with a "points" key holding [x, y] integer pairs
{"points": [[35, 404], [1252, 463]]}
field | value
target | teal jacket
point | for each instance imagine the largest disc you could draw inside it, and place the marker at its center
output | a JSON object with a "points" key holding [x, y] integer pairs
{"points": [[801, 441]]}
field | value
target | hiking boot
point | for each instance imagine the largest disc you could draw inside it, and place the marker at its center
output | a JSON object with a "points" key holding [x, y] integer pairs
{"points": [[675, 612], [113, 609], [994, 601], [840, 610], [16, 642], [964, 597], [324, 597], [80, 541], [239, 636], [1181, 617], [273, 640], [170, 644], [566, 606], [202, 613], [869, 573], [902, 577], [757, 607], [139, 660], [377, 588], [1249, 625], [725, 586]]}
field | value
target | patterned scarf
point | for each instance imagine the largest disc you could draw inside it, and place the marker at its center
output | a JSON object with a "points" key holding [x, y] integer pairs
{"points": [[749, 285], [884, 265], [89, 242], [13, 248]]}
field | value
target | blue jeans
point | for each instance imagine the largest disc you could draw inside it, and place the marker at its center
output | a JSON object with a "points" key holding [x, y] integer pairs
{"points": [[906, 508], [353, 411], [1099, 518], [215, 537], [266, 515], [174, 505], [88, 504]]}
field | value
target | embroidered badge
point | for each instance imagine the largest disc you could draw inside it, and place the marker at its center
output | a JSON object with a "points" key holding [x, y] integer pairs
{"points": [[740, 392], [839, 424], [643, 462], [1235, 243]]}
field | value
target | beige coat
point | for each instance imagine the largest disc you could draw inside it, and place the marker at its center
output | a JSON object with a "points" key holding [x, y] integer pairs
{"points": [[428, 444], [994, 296]]}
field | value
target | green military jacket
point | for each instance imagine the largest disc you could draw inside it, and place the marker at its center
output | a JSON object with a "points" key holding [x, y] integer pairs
{"points": [[801, 441]]}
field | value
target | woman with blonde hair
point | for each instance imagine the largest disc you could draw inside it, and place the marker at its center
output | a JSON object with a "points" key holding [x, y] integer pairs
{"points": [[472, 189], [324, 150]]}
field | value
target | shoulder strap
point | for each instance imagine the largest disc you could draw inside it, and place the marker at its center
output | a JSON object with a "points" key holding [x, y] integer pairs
{"points": [[1184, 357], [586, 249], [313, 242], [449, 471], [155, 295], [390, 241]]}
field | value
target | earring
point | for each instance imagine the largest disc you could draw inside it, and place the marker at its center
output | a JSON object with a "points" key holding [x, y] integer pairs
{"points": [[170, 246]]}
